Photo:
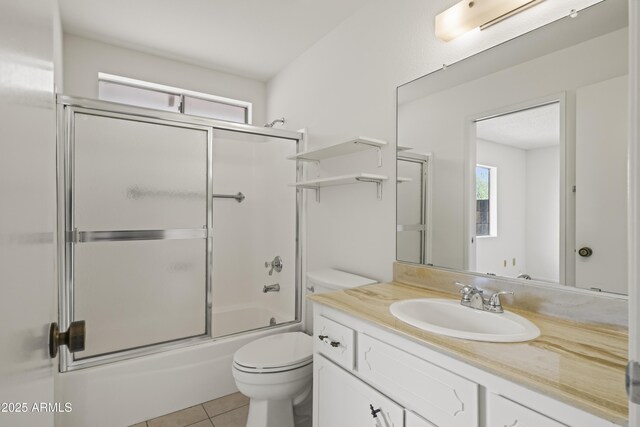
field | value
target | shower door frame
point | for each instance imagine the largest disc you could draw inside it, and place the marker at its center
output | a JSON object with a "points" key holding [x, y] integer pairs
{"points": [[66, 239]]}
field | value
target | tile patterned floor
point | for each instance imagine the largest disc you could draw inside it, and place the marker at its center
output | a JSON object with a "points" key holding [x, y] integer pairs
{"points": [[227, 411]]}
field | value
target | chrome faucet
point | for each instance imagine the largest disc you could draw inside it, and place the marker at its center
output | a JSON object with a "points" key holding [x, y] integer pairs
{"points": [[473, 297], [271, 288]]}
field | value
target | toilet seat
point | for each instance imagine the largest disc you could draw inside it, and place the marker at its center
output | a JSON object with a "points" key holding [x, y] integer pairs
{"points": [[275, 353]]}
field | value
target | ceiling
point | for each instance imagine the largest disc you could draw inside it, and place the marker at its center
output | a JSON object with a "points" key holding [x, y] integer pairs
{"points": [[529, 129], [252, 38]]}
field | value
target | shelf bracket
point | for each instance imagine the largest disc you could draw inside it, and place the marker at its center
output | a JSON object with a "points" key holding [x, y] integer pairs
{"points": [[375, 181], [377, 147]]}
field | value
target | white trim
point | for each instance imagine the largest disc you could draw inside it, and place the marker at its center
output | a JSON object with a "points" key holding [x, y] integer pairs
{"points": [[634, 194], [178, 91]]}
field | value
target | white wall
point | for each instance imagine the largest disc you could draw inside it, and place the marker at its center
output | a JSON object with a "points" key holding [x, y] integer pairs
{"points": [[84, 59], [509, 243], [543, 214], [345, 85]]}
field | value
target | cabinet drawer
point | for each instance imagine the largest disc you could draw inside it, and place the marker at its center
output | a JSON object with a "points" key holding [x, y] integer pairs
{"points": [[443, 398], [342, 400], [335, 341], [506, 413]]}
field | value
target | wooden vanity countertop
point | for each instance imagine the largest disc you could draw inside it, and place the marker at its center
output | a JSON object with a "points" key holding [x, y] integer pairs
{"points": [[580, 364]]}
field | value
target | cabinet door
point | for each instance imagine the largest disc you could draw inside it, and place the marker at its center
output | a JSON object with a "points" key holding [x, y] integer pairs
{"points": [[413, 420], [342, 400], [436, 394], [505, 413]]}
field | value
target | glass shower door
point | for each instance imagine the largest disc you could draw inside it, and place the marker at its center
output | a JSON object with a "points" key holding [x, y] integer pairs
{"points": [[412, 243], [253, 231], [138, 215], [169, 226]]}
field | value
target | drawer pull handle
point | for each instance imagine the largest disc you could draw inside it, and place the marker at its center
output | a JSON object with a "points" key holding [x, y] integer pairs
{"points": [[374, 413], [327, 340]]}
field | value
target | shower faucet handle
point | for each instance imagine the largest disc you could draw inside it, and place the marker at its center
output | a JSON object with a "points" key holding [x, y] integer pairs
{"points": [[276, 265]]}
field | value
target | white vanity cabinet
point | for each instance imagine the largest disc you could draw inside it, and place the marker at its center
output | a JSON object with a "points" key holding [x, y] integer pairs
{"points": [[360, 367], [444, 398], [345, 401], [352, 382]]}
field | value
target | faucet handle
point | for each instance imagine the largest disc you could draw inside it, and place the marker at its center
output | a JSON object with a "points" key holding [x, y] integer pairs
{"points": [[495, 305], [466, 290], [464, 287]]}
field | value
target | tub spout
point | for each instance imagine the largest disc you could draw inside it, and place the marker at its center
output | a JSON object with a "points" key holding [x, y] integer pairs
{"points": [[271, 288]]}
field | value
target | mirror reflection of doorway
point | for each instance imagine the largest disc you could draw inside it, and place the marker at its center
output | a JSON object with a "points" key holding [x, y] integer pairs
{"points": [[517, 187], [413, 230], [552, 211]]}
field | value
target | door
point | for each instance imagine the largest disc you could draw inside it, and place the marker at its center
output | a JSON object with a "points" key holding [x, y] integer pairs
{"points": [[137, 213], [27, 211], [342, 400], [601, 185]]}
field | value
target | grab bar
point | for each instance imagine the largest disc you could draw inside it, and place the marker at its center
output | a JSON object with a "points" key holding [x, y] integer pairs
{"points": [[239, 197]]}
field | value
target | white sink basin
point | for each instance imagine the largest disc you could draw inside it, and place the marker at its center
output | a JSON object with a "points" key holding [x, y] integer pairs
{"points": [[448, 317]]}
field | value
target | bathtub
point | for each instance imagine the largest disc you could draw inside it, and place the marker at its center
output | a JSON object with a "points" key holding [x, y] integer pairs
{"points": [[232, 320], [127, 392]]}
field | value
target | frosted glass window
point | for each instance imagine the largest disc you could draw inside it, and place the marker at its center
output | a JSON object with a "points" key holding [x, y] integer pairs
{"points": [[140, 97], [160, 97], [133, 294], [214, 110], [132, 175]]}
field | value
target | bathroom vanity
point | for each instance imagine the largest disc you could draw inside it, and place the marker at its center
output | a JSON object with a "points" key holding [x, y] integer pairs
{"points": [[372, 369]]}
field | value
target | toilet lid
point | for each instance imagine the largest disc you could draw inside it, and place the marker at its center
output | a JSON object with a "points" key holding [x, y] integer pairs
{"points": [[286, 350]]}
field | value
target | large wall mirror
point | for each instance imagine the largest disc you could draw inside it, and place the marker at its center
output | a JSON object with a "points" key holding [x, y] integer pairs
{"points": [[513, 162]]}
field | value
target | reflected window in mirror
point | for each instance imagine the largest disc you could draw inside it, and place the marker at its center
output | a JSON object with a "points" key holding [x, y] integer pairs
{"points": [[486, 195]]}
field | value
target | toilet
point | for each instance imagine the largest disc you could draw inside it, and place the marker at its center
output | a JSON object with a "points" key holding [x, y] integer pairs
{"points": [[276, 372]]}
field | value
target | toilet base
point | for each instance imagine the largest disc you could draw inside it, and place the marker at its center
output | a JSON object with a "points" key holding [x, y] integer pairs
{"points": [[270, 413]]}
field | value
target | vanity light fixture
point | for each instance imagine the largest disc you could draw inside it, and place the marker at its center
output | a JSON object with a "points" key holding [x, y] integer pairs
{"points": [[470, 14]]}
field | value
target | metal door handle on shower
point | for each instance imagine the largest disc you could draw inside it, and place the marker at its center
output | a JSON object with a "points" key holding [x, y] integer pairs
{"points": [[276, 265]]}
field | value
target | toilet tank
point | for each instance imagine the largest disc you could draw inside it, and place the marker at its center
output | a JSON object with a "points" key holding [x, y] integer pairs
{"points": [[329, 280]]}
